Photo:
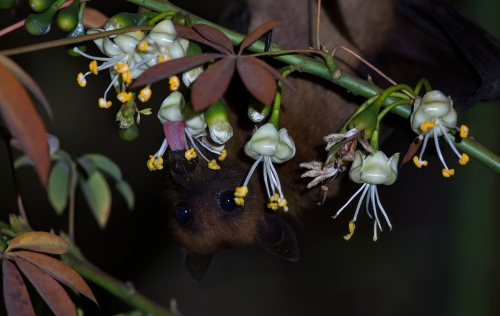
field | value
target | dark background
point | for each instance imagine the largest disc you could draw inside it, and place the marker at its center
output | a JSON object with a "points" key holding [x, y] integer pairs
{"points": [[440, 259]]}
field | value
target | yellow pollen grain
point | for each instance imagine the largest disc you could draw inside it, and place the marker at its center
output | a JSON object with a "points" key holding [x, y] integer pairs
{"points": [[104, 104], [174, 83], [124, 96], [212, 164], [464, 160], [352, 227], [142, 46], [190, 154], [127, 77], [163, 58], [145, 94], [464, 131], [81, 80], [417, 162], [158, 163], [426, 125], [282, 203], [223, 155], [273, 206], [121, 67], [239, 201], [448, 172], [241, 191], [93, 67], [150, 163]]}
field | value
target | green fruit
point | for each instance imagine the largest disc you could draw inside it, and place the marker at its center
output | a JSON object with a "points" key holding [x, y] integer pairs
{"points": [[39, 24], [67, 19], [40, 5], [5, 4], [130, 133], [125, 19], [179, 18], [193, 49]]}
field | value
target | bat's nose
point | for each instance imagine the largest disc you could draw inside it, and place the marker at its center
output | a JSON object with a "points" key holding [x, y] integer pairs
{"points": [[179, 164]]}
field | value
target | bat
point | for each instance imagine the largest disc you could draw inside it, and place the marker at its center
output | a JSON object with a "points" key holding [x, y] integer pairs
{"points": [[405, 40]]}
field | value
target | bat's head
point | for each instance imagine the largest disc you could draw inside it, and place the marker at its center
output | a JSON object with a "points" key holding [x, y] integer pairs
{"points": [[205, 218]]}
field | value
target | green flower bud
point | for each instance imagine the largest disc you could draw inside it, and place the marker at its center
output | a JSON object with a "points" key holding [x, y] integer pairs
{"points": [[218, 122], [125, 19], [257, 111], [18, 224], [366, 121], [129, 133], [39, 24], [40, 5]]}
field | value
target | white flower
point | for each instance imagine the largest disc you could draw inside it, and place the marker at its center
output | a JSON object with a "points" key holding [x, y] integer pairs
{"points": [[434, 116], [268, 145], [371, 170], [180, 121]]}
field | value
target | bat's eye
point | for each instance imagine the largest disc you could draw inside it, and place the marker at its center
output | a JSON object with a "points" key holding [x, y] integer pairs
{"points": [[226, 201], [183, 212]]}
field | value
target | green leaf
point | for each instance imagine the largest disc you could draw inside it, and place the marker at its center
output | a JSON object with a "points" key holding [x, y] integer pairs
{"points": [[22, 161], [105, 164], [59, 186], [98, 196], [126, 191], [87, 166]]}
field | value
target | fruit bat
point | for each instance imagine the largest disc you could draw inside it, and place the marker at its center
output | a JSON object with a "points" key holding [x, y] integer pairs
{"points": [[404, 39]]}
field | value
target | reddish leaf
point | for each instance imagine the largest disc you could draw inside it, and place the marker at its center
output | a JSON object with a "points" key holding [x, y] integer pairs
{"points": [[39, 241], [258, 81], [212, 83], [273, 72], [17, 300], [172, 67], [189, 33], [256, 34], [49, 289], [27, 81], [21, 118], [415, 145], [58, 270], [215, 36]]}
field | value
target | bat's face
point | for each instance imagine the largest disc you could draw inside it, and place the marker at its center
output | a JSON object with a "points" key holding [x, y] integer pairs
{"points": [[204, 216]]}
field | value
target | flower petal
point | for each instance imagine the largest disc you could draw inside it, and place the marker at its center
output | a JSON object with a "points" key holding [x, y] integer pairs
{"points": [[170, 109], [263, 143]]}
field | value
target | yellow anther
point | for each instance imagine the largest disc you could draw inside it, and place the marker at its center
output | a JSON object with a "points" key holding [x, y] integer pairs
{"points": [[223, 155], [212, 164], [448, 172], [138, 33], [151, 162], [121, 67], [142, 46], [104, 104], [418, 164], [282, 203], [124, 96], [93, 67], [158, 163], [426, 125], [464, 131], [241, 191], [273, 206], [81, 80], [239, 201], [351, 231], [274, 198], [163, 58], [464, 160], [174, 83], [127, 77], [145, 94], [190, 154]]}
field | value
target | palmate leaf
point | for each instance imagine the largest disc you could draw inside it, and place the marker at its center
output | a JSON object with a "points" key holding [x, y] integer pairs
{"points": [[98, 196], [215, 36], [49, 289], [22, 119], [59, 186], [256, 34], [212, 83], [39, 241], [189, 33], [17, 300], [56, 269], [258, 81]]}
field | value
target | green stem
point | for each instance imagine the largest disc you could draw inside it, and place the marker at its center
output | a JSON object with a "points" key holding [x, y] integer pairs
{"points": [[121, 290], [80, 12], [422, 81], [161, 16], [390, 107], [275, 114]]}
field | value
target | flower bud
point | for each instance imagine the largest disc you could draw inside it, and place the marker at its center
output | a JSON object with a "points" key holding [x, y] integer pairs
{"points": [[170, 109], [374, 169], [257, 111], [218, 122]]}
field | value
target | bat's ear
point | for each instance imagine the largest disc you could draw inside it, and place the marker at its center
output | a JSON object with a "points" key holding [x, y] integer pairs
{"points": [[277, 237], [197, 264]]}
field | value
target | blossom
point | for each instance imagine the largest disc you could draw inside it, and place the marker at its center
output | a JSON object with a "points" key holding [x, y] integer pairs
{"points": [[268, 145], [130, 54], [181, 123], [434, 116], [371, 171]]}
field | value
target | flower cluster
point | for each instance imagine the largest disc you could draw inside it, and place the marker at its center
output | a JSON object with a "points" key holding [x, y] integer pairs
{"points": [[268, 145], [130, 54], [180, 124], [434, 116]]}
